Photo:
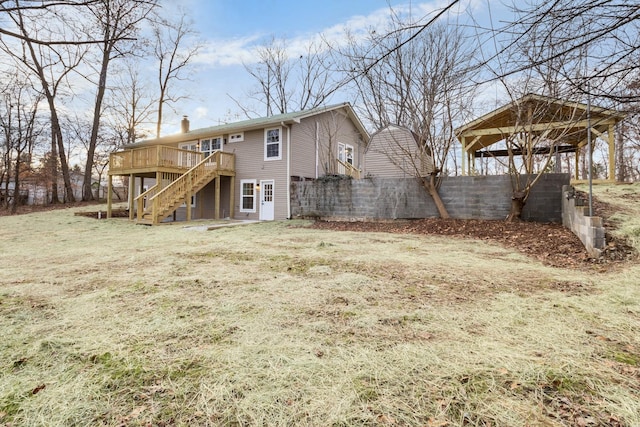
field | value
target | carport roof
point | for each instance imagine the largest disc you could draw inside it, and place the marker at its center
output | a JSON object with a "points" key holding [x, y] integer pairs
{"points": [[538, 115]]}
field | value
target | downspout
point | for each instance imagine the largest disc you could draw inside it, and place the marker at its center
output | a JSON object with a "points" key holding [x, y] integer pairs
{"points": [[288, 169]]}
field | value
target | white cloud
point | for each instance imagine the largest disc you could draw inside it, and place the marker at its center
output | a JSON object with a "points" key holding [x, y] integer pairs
{"points": [[223, 52], [238, 51]]}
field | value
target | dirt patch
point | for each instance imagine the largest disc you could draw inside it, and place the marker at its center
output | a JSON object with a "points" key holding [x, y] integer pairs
{"points": [[27, 209], [115, 213], [552, 244]]}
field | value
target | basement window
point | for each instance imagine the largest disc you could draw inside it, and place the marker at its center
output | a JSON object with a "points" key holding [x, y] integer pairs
{"points": [[248, 195]]}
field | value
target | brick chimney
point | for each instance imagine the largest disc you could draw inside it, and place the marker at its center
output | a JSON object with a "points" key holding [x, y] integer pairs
{"points": [[184, 124]]}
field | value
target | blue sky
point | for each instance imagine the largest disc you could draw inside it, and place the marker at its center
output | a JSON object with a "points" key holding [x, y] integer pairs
{"points": [[231, 29]]}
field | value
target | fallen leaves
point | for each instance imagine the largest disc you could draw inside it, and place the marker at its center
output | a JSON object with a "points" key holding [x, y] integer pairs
{"points": [[552, 244]]}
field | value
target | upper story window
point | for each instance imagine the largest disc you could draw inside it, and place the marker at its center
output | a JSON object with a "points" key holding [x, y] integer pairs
{"points": [[208, 146], [236, 137], [273, 144]]}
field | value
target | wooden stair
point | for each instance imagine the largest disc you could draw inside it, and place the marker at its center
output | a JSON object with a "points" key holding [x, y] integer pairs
{"points": [[160, 203]]}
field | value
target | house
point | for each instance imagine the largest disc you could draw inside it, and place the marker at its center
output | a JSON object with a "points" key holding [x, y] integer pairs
{"points": [[397, 152], [239, 170]]}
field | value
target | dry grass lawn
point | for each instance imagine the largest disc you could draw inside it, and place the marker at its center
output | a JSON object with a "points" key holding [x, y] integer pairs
{"points": [[109, 323]]}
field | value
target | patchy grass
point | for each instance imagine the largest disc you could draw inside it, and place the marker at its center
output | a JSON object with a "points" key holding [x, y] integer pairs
{"points": [[623, 202], [108, 323]]}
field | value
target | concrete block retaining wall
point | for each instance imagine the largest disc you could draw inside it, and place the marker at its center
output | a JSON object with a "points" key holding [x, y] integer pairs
{"points": [[576, 218], [465, 197]]}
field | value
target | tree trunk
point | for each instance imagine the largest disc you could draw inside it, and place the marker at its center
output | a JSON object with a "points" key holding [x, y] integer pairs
{"points": [[16, 182], [87, 191], [53, 169], [430, 186], [517, 205]]}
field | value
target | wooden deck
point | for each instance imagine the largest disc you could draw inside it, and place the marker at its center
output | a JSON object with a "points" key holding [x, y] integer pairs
{"points": [[178, 175], [159, 158]]}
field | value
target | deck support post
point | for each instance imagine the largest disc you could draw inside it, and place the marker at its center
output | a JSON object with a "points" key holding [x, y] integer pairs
{"points": [[188, 199], [132, 183], [216, 213], [612, 153], [109, 197], [232, 197]]}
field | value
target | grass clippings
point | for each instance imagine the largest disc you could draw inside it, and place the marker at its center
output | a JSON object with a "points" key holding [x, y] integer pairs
{"points": [[109, 323]]}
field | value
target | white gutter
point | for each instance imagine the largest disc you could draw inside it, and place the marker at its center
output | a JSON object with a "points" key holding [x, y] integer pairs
{"points": [[288, 169]]}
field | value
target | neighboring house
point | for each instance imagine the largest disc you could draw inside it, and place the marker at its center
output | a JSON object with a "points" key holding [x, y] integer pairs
{"points": [[239, 170], [36, 190], [397, 152]]}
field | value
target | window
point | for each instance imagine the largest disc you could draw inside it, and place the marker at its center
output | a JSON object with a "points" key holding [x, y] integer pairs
{"points": [[193, 202], [208, 146], [236, 137], [345, 153], [248, 195], [273, 144], [188, 160]]}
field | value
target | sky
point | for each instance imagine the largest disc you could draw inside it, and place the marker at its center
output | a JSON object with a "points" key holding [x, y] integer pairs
{"points": [[231, 29]]}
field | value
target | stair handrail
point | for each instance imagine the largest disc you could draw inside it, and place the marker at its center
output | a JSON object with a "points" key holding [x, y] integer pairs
{"points": [[179, 186], [350, 169], [141, 197]]}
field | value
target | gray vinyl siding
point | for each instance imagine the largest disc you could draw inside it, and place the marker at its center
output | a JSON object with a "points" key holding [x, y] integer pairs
{"points": [[251, 164], [329, 128], [386, 154]]}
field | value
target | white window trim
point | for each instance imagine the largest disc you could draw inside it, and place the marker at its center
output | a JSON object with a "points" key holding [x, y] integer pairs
{"points": [[211, 150], [239, 135], [252, 182], [266, 132], [345, 150], [194, 198]]}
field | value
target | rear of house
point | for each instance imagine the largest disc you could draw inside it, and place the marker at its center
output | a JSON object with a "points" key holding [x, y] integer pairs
{"points": [[240, 170]]}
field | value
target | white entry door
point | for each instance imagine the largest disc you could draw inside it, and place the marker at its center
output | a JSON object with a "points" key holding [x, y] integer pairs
{"points": [[266, 200]]}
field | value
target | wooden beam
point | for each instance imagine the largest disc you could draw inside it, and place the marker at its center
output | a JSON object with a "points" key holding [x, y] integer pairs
{"points": [[519, 151], [216, 214], [538, 127], [109, 192], [463, 154], [612, 153], [132, 190]]}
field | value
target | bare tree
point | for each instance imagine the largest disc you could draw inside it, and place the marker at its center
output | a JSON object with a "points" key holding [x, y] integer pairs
{"points": [[605, 31], [118, 22], [174, 47], [545, 51], [130, 106], [421, 85], [289, 81], [21, 129], [51, 8], [51, 65]]}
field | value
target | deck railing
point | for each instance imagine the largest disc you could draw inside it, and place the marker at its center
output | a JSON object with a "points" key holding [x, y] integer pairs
{"points": [[345, 168], [156, 156]]}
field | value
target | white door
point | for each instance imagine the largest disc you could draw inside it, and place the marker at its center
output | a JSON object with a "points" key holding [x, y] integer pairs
{"points": [[266, 200]]}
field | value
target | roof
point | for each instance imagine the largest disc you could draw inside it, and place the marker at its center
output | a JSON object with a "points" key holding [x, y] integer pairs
{"points": [[253, 124], [539, 115], [390, 130]]}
